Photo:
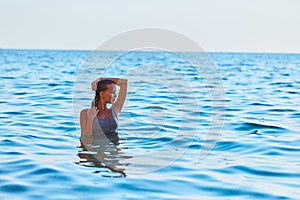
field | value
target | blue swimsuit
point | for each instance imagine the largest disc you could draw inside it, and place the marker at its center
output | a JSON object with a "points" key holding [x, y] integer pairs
{"points": [[107, 127]]}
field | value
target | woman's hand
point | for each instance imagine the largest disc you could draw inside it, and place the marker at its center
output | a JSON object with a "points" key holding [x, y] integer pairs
{"points": [[92, 112], [94, 84]]}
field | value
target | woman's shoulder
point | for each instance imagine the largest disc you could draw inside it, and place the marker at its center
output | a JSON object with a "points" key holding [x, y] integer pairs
{"points": [[83, 112]]}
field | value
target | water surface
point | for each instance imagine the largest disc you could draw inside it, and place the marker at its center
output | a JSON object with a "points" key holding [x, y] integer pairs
{"points": [[256, 156]]}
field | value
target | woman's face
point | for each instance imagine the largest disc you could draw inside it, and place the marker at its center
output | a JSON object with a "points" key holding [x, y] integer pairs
{"points": [[109, 95]]}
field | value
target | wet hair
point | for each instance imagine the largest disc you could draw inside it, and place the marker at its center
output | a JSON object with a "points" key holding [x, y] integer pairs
{"points": [[101, 86]]}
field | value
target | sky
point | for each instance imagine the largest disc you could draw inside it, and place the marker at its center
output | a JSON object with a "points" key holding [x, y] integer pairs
{"points": [[216, 25]]}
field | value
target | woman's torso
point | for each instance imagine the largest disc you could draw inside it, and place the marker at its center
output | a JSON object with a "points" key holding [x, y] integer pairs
{"points": [[109, 124], [107, 127]]}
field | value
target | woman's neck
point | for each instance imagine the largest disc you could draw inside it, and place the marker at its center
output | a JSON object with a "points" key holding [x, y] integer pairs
{"points": [[102, 106]]}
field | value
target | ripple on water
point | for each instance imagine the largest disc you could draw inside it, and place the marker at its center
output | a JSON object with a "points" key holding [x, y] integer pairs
{"points": [[264, 172], [247, 126], [14, 188]]}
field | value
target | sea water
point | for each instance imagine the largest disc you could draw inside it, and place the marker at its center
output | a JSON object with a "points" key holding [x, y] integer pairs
{"points": [[183, 134]]}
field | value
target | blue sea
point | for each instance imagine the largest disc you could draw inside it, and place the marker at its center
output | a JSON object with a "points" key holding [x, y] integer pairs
{"points": [[194, 126]]}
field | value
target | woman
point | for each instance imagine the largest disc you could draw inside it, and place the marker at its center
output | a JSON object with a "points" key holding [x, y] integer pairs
{"points": [[100, 120]]}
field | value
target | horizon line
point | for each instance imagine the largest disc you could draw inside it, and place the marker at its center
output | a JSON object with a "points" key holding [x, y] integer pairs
{"points": [[90, 50]]}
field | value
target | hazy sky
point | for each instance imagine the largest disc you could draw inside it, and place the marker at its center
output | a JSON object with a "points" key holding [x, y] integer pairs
{"points": [[216, 25]]}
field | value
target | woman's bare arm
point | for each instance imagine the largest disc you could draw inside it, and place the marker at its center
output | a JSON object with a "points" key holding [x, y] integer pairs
{"points": [[86, 120], [118, 104]]}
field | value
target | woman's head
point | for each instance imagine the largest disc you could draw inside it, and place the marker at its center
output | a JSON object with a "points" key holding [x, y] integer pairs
{"points": [[105, 92]]}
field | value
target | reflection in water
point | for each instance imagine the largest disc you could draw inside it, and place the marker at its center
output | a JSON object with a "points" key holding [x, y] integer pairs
{"points": [[103, 153]]}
